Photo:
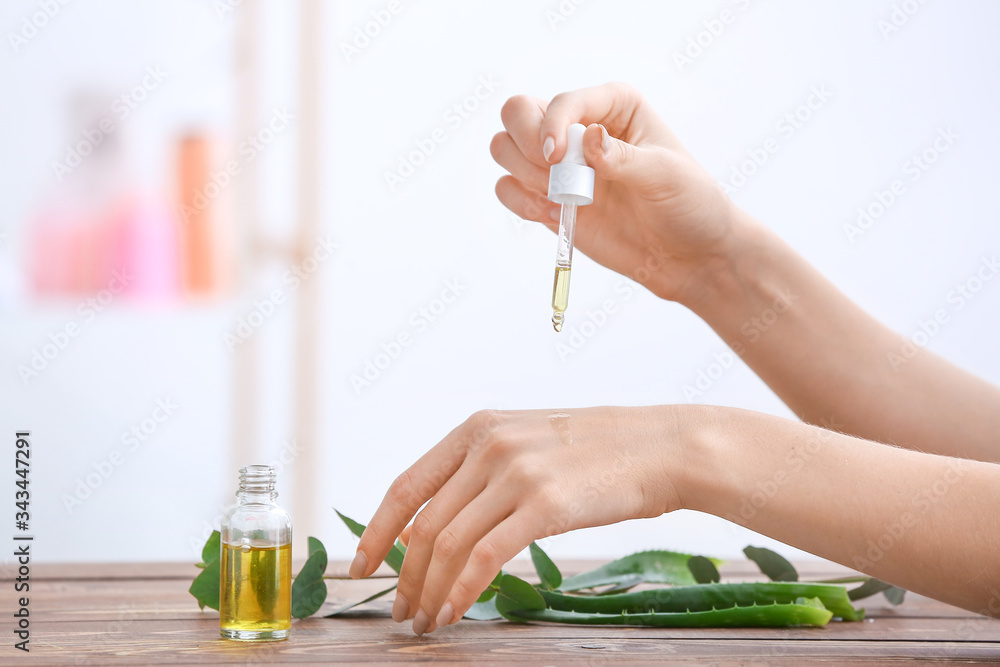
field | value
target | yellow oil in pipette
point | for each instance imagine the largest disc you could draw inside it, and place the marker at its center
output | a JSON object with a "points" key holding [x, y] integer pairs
{"points": [[560, 296]]}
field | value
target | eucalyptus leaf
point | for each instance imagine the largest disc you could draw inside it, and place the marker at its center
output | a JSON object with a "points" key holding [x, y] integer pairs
{"points": [[309, 589], [703, 570], [772, 564], [352, 605], [516, 594], [492, 589], [205, 587], [869, 588], [548, 573], [894, 594], [393, 559], [651, 567], [486, 610]]}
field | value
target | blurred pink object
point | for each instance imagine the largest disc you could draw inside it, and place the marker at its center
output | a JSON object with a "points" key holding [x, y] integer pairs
{"points": [[144, 248]]}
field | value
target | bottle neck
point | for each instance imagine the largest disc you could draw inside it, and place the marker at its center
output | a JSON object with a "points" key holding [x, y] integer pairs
{"points": [[257, 485]]}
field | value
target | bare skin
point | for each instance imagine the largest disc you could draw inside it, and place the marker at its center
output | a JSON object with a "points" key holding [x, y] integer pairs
{"points": [[893, 472]]}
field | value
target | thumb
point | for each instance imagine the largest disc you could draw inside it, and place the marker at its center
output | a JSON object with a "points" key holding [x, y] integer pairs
{"points": [[616, 160]]}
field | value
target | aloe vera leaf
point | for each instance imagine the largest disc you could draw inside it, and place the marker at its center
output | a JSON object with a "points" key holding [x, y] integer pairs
{"points": [[548, 573], [651, 567], [870, 587], [753, 616], [393, 559], [705, 597], [773, 564], [703, 570]]}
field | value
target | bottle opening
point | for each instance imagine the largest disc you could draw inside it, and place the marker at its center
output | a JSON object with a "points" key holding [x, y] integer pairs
{"points": [[257, 479]]}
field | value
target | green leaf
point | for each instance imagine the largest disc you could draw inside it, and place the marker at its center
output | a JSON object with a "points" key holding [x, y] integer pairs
{"points": [[652, 567], [870, 587], [393, 559], [492, 589], [309, 589], [703, 570], [517, 595], [753, 616], [212, 549], [772, 564], [484, 610], [205, 587], [547, 571], [352, 605], [705, 597], [894, 594]]}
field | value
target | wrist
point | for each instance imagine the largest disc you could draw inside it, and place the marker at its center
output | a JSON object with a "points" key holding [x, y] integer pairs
{"points": [[727, 275], [705, 464]]}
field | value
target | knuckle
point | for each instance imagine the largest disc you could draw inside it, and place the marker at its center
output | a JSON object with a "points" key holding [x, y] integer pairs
{"points": [[550, 497], [513, 108], [401, 490], [447, 545], [423, 529], [485, 557], [481, 428]]}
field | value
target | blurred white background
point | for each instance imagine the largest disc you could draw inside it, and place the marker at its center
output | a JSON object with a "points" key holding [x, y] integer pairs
{"points": [[890, 92]]}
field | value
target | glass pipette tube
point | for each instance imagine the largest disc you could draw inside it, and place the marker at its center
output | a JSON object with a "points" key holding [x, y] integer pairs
{"points": [[564, 262]]}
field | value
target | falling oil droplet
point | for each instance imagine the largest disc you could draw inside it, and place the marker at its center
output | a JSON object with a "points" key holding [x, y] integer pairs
{"points": [[556, 324]]}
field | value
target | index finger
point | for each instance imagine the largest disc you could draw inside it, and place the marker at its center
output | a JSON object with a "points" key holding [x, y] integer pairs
{"points": [[612, 105], [414, 487]]}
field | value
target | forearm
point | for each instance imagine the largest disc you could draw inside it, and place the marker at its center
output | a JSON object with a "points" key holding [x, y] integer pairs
{"points": [[920, 521], [832, 363]]}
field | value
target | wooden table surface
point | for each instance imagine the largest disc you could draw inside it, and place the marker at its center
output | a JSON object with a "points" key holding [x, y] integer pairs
{"points": [[141, 614]]}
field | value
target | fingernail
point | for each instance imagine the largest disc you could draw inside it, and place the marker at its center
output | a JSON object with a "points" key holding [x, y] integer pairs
{"points": [[400, 609], [554, 213], [358, 565], [444, 616], [548, 146], [420, 623], [605, 142]]}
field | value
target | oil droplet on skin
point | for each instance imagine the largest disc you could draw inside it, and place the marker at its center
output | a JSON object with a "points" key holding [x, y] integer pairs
{"points": [[560, 424]]}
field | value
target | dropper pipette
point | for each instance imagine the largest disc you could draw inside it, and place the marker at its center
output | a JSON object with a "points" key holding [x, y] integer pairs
{"points": [[571, 184]]}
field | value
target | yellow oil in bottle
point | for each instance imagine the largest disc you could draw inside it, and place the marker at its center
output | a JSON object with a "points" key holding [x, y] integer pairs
{"points": [[256, 592], [560, 296]]}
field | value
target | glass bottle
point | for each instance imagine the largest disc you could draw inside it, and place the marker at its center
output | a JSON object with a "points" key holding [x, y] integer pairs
{"points": [[255, 600]]}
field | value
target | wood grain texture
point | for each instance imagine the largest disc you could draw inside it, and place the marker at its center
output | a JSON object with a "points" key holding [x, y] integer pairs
{"points": [[141, 614]]}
